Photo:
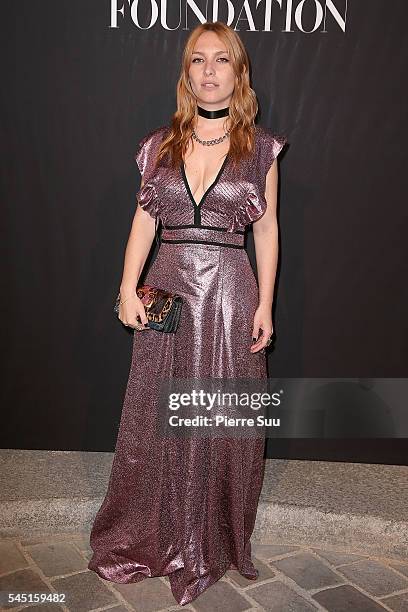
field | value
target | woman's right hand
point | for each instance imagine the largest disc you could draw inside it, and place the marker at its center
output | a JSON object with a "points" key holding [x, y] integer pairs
{"points": [[129, 312]]}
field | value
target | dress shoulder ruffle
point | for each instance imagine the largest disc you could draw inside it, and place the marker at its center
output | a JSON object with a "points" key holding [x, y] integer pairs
{"points": [[148, 198], [253, 206], [145, 157]]}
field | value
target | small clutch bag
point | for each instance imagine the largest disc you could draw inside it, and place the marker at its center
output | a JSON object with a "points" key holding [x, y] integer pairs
{"points": [[163, 308]]}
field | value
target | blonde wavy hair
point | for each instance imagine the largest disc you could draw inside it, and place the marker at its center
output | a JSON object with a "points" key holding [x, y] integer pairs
{"points": [[243, 106]]}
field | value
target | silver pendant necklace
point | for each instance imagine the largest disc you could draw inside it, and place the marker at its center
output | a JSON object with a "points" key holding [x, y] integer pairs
{"points": [[214, 141]]}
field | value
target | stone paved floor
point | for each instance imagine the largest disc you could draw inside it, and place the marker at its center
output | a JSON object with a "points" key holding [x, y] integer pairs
{"points": [[291, 578]]}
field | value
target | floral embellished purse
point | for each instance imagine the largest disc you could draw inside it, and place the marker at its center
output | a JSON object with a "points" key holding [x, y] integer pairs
{"points": [[163, 308]]}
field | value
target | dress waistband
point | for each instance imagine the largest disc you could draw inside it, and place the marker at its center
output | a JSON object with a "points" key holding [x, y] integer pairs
{"points": [[203, 234]]}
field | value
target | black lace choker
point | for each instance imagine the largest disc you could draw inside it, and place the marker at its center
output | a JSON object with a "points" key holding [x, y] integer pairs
{"points": [[214, 114]]}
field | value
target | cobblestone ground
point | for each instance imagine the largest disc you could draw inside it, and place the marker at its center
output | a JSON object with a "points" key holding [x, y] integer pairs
{"points": [[291, 579]]}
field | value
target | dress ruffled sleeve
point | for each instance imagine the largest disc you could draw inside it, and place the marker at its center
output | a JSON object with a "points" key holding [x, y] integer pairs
{"points": [[253, 206], [145, 157], [148, 199]]}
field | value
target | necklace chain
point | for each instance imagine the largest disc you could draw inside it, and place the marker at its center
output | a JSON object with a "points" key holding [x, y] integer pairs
{"points": [[214, 141]]}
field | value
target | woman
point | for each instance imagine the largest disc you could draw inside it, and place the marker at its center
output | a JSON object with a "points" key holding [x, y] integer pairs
{"points": [[185, 508]]}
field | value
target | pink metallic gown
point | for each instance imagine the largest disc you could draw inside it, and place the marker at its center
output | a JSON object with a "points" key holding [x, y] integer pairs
{"points": [[186, 508]]}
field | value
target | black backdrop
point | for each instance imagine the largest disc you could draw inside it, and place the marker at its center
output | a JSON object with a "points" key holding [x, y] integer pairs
{"points": [[82, 83]]}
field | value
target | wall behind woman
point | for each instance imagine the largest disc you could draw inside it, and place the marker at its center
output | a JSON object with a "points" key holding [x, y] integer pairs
{"points": [[82, 84]]}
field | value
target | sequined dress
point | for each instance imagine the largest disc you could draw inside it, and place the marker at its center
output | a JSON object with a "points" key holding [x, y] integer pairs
{"points": [[188, 512]]}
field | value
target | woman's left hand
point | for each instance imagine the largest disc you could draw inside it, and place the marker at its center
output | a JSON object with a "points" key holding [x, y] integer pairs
{"points": [[263, 328]]}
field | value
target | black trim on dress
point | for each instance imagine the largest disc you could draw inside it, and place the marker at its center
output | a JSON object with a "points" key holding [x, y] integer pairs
{"points": [[204, 227], [197, 207], [183, 241]]}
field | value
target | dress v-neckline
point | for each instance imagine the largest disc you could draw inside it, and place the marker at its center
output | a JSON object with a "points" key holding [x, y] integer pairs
{"points": [[206, 192]]}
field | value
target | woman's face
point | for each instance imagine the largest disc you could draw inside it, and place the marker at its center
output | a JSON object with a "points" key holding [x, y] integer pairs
{"points": [[211, 74]]}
